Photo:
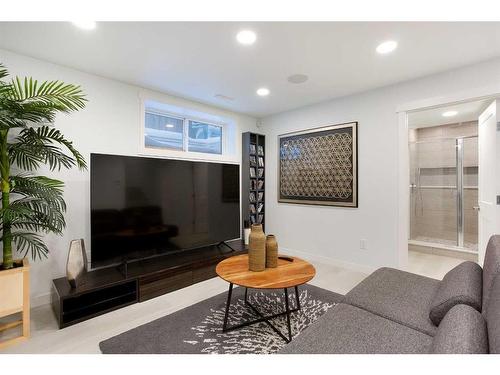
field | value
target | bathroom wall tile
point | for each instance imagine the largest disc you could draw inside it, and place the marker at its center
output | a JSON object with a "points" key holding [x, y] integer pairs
{"points": [[465, 129], [471, 152], [412, 135], [430, 132]]}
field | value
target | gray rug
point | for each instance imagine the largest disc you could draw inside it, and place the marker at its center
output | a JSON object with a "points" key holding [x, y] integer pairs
{"points": [[198, 328]]}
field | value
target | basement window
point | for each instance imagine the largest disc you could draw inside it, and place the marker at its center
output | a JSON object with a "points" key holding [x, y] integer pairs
{"points": [[163, 131], [203, 137], [166, 131]]}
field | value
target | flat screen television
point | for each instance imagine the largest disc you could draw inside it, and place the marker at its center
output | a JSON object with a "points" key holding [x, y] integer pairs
{"points": [[142, 207]]}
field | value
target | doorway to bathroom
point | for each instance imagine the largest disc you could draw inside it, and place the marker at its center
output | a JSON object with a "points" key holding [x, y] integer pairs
{"points": [[444, 176]]}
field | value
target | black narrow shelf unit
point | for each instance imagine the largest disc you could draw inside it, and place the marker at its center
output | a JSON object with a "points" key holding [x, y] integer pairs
{"points": [[253, 178]]}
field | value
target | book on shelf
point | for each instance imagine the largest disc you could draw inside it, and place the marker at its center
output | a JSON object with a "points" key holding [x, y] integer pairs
{"points": [[261, 150], [260, 218], [260, 184], [252, 208], [260, 172], [260, 196], [253, 160], [252, 148], [251, 197], [259, 207], [261, 162], [252, 219], [252, 172]]}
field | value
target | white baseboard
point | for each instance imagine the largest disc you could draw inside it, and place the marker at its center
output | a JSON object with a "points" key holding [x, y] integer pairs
{"points": [[330, 261]]}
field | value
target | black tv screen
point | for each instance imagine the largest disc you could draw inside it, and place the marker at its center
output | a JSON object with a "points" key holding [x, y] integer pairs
{"points": [[142, 207]]}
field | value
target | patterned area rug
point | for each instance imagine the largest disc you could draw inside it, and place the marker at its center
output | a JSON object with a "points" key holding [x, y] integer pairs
{"points": [[198, 329]]}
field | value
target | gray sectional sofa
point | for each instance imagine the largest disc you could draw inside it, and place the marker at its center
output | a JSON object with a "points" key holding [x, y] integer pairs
{"points": [[393, 311]]}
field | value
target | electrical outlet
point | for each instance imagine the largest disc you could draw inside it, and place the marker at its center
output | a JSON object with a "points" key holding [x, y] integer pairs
{"points": [[363, 244]]}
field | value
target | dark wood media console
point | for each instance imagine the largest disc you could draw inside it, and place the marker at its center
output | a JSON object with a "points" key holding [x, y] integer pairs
{"points": [[108, 289]]}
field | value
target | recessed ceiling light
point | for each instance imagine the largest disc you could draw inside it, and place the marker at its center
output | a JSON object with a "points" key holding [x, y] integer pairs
{"points": [[86, 25], [263, 91], [450, 113], [169, 126], [246, 37], [297, 78], [387, 46]]}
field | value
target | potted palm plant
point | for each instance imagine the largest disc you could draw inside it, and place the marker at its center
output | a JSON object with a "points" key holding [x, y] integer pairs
{"points": [[32, 205]]}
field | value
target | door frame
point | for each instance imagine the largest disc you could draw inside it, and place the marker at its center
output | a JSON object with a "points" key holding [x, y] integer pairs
{"points": [[482, 93]]}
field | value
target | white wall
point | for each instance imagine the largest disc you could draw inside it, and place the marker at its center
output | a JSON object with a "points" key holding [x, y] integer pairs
{"points": [[109, 124], [334, 233]]}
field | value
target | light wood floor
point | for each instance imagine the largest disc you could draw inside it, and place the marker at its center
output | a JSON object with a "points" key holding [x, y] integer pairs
{"points": [[85, 337]]}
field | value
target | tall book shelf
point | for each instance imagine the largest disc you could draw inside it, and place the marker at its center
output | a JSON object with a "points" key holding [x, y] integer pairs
{"points": [[253, 178]]}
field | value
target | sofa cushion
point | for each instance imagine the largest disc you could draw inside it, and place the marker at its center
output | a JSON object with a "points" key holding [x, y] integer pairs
{"points": [[400, 296], [461, 285], [348, 329], [491, 268], [462, 331], [493, 317]]}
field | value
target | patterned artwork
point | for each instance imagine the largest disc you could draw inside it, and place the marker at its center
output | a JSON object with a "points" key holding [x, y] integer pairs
{"points": [[257, 338], [319, 166]]}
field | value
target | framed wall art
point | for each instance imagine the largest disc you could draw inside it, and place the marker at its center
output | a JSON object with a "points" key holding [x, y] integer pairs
{"points": [[319, 166]]}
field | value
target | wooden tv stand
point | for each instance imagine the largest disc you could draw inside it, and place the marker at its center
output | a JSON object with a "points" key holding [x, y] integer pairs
{"points": [[108, 289]]}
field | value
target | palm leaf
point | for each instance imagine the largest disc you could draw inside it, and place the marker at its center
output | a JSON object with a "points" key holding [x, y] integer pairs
{"points": [[25, 156], [30, 242], [3, 71], [47, 189], [35, 214], [65, 97], [35, 146]]}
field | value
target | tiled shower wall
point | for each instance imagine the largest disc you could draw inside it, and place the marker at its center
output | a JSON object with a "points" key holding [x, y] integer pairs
{"points": [[433, 168]]}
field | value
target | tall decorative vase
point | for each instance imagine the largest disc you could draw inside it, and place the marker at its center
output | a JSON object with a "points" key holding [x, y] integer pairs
{"points": [[257, 249], [76, 266], [271, 251]]}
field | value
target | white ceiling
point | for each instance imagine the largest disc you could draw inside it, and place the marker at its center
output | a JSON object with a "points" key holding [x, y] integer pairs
{"points": [[469, 111], [200, 60]]}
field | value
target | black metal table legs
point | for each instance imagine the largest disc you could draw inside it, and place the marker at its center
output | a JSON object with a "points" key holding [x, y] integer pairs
{"points": [[261, 317]]}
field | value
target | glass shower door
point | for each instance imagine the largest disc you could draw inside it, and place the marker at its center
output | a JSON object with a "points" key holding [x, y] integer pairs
{"points": [[433, 191]]}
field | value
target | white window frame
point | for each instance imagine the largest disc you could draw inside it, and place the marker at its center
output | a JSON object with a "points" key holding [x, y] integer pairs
{"points": [[179, 108]]}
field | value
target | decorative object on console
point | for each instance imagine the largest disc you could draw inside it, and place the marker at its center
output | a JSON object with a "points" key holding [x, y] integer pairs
{"points": [[246, 232], [76, 266], [257, 249], [271, 251], [319, 166]]}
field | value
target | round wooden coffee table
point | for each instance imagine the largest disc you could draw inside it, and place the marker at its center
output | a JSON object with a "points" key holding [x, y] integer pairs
{"points": [[290, 273]]}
